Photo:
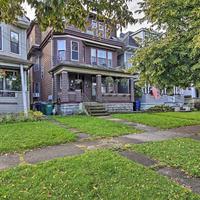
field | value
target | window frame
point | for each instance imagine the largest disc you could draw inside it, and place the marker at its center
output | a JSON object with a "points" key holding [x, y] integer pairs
{"points": [[1, 38], [77, 60], [110, 59], [12, 31], [58, 50], [34, 84], [37, 65]]}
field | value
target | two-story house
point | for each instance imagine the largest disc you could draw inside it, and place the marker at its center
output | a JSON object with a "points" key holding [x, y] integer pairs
{"points": [[174, 97], [74, 67], [14, 67]]}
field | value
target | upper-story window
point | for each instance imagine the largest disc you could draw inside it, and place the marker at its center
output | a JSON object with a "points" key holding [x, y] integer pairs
{"points": [[1, 38], [61, 49], [37, 64], [101, 30], [101, 57], [101, 54], [14, 42], [109, 59], [74, 51]]}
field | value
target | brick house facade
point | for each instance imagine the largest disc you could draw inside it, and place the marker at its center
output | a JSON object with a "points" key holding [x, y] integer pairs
{"points": [[76, 67]]}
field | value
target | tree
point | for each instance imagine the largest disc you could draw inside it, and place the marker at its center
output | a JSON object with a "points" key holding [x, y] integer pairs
{"points": [[51, 13], [173, 58]]}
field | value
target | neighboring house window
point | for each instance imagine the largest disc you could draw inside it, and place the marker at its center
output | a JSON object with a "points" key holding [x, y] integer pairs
{"points": [[101, 54], [61, 49], [42, 72], [37, 64], [1, 38], [36, 87], [14, 42], [101, 30], [128, 60], [110, 59], [94, 27], [93, 56], [74, 51]]}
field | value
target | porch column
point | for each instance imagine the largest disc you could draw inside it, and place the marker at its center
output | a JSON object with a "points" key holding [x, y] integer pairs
{"points": [[116, 86], [55, 87], [132, 88], [24, 97], [64, 86], [98, 88]]}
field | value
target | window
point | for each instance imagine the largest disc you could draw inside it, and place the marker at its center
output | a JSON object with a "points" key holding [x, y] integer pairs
{"points": [[93, 57], [14, 42], [101, 30], [37, 64], [42, 72], [109, 59], [1, 83], [101, 54], [74, 51], [10, 80], [36, 88], [94, 27], [61, 50], [1, 39]]}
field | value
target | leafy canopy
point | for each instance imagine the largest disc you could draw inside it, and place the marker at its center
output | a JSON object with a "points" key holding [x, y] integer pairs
{"points": [[51, 13], [173, 58]]}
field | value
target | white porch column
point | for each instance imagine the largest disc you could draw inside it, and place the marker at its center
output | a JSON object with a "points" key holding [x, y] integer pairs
{"points": [[24, 90]]}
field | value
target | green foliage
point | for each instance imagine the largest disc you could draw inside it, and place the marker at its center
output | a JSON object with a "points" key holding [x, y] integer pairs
{"points": [[50, 13], [20, 117], [22, 136], [160, 108], [96, 126], [173, 58], [138, 91], [181, 153], [91, 176], [197, 105], [157, 120]]}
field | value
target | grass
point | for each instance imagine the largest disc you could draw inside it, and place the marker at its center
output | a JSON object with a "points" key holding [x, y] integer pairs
{"points": [[18, 137], [182, 115], [158, 120], [91, 176], [181, 153], [96, 126]]}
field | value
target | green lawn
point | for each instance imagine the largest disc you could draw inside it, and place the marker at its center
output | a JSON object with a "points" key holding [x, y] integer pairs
{"points": [[182, 115], [157, 120], [96, 126], [182, 153], [27, 135], [93, 175]]}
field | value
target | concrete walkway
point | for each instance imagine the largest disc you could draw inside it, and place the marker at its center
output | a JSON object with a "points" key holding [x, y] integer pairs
{"points": [[85, 143]]}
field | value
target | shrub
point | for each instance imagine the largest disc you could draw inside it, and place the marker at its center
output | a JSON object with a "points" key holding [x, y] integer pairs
{"points": [[161, 108], [197, 105], [20, 117]]}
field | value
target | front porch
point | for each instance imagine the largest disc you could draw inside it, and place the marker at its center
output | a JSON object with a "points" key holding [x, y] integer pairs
{"points": [[11, 89]]}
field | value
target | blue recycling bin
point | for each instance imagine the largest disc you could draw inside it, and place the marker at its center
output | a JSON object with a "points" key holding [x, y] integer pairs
{"points": [[137, 105]]}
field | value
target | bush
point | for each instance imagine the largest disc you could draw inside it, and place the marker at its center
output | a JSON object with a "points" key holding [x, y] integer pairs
{"points": [[19, 117], [197, 106], [161, 108]]}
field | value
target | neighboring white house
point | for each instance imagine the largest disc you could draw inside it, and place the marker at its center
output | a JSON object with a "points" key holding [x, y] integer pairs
{"points": [[14, 96], [133, 41]]}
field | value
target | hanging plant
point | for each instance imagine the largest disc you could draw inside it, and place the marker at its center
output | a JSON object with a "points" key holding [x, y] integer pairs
{"points": [[2, 73], [109, 80], [124, 82]]}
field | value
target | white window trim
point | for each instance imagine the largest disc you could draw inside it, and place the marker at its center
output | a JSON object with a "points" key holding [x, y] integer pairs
{"points": [[61, 49], [78, 51], [91, 55], [11, 30], [1, 38], [110, 59]]}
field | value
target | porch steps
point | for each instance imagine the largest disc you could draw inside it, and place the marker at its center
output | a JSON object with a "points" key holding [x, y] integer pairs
{"points": [[96, 109]]}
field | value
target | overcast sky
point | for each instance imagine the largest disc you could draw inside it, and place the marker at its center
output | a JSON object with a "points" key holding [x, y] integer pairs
{"points": [[133, 7]]}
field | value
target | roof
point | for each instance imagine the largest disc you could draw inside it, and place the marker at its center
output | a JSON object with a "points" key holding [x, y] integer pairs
{"points": [[9, 59], [90, 69]]}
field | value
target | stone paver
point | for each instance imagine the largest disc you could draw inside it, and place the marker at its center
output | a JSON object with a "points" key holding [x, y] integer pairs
{"points": [[9, 160], [180, 177], [51, 152], [187, 129], [138, 157], [155, 136]]}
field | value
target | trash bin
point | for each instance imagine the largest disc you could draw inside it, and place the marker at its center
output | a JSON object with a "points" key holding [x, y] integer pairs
{"points": [[137, 105], [38, 106], [46, 108]]}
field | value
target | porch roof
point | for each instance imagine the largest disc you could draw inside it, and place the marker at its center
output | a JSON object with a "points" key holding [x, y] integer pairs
{"points": [[12, 60], [90, 69]]}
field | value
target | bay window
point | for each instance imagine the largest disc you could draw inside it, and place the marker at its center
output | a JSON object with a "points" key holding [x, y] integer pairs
{"points": [[74, 51], [109, 59], [61, 50], [101, 54], [14, 42], [101, 57]]}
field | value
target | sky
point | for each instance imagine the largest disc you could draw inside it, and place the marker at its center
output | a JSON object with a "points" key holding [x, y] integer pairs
{"points": [[133, 6]]}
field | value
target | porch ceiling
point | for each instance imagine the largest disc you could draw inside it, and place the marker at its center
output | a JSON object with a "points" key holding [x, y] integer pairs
{"points": [[89, 69]]}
